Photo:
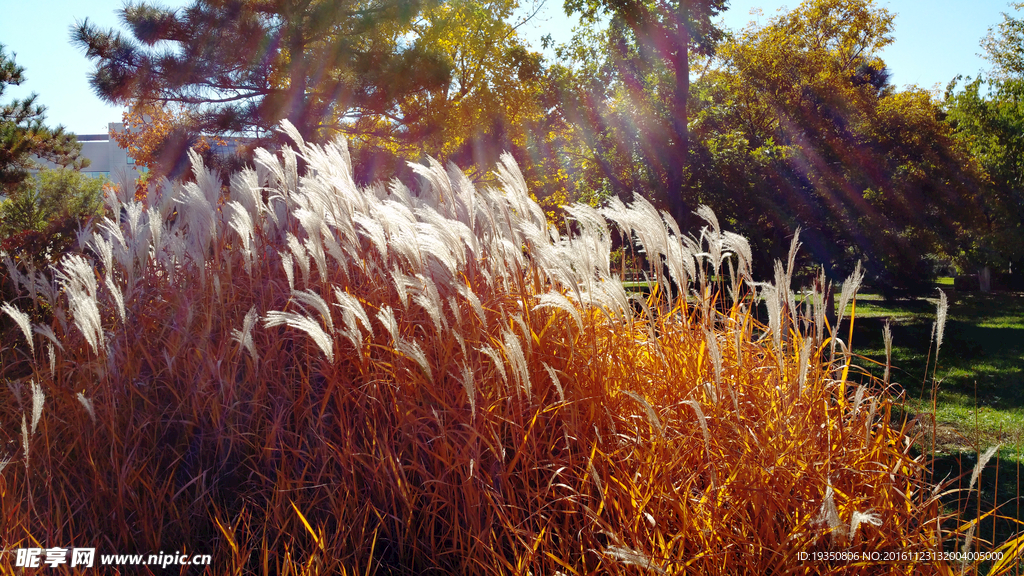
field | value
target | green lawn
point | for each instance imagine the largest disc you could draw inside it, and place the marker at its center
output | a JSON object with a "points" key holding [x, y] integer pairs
{"points": [[980, 392], [980, 365]]}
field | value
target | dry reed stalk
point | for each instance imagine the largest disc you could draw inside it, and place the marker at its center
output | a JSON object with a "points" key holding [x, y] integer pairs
{"points": [[458, 388]]}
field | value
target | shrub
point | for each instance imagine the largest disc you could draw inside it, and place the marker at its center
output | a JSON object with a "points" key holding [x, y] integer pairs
{"points": [[40, 221], [306, 377]]}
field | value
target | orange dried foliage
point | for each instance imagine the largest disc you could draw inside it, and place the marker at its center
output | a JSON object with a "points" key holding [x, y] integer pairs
{"points": [[512, 439]]}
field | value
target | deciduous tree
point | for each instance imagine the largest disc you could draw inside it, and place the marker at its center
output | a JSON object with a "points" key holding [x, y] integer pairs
{"points": [[158, 137], [646, 37], [987, 114], [798, 126]]}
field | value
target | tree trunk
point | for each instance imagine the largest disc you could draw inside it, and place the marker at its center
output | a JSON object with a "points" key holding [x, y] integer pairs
{"points": [[676, 166]]}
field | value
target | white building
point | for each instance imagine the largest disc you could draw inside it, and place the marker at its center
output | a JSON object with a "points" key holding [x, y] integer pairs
{"points": [[107, 159]]}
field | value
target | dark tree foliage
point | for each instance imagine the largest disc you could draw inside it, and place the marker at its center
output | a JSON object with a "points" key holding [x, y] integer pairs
{"points": [[23, 136], [799, 127], [242, 66], [987, 115], [643, 35]]}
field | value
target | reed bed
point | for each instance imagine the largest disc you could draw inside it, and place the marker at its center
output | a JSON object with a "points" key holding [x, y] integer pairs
{"points": [[298, 376]]}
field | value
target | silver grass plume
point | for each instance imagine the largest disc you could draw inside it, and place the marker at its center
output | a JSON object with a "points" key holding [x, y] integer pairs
{"points": [[712, 236], [411, 349], [21, 319], [652, 416], [770, 295], [12, 272], [115, 293], [805, 357], [467, 292], [241, 222], [517, 359], [968, 541], [105, 250], [517, 319], [350, 303], [870, 421], [387, 317], [267, 164], [828, 516], [703, 424], [554, 380], [820, 305], [79, 282], [315, 248], [38, 398], [982, 462], [87, 404], [738, 245], [299, 322], [245, 191], [850, 288], [289, 269], [292, 132], [794, 247], [300, 255], [495, 357], [374, 232], [470, 388], [858, 398], [632, 557], [47, 290], [859, 518], [291, 169], [887, 339], [24, 440], [428, 298], [514, 185], [244, 336], [313, 300], [784, 284], [402, 284], [715, 355], [940, 321]]}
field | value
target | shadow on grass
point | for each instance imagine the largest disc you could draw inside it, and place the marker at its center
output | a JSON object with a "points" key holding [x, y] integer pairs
{"points": [[998, 487], [982, 354], [979, 399]]}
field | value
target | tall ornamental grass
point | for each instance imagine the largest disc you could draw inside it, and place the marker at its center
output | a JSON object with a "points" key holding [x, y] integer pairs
{"points": [[300, 376]]}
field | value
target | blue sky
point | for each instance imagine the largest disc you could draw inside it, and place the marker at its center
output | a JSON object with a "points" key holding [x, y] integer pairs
{"points": [[935, 41]]}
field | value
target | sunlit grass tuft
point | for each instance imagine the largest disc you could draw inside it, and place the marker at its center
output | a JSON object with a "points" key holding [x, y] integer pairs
{"points": [[312, 378]]}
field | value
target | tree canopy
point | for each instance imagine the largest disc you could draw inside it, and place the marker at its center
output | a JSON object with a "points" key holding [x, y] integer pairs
{"points": [[987, 114], [242, 66], [23, 135], [649, 42], [792, 124], [800, 115]]}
